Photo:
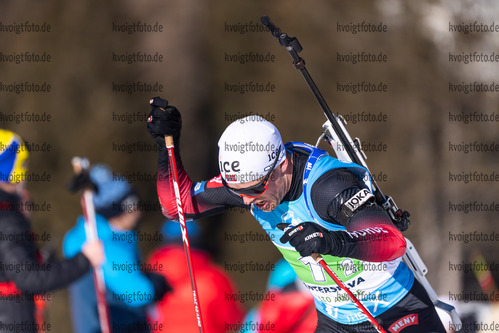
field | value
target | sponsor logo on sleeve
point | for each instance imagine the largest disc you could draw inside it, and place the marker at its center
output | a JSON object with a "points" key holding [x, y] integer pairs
{"points": [[358, 199], [404, 322]]}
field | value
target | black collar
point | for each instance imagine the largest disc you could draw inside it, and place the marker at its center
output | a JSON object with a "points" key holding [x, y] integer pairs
{"points": [[296, 188]]}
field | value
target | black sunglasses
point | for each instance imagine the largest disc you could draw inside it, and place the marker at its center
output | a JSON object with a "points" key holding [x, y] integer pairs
{"points": [[255, 190]]}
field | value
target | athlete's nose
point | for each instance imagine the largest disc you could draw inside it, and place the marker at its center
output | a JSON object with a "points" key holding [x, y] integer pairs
{"points": [[248, 201]]}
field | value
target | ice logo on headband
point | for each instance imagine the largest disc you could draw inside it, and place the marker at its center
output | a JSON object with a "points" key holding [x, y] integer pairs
{"points": [[230, 166], [272, 156]]}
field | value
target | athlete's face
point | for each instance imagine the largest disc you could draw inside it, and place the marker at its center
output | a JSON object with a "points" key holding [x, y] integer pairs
{"points": [[277, 187]]}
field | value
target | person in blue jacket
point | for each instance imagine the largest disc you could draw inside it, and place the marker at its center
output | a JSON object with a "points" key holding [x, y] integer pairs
{"points": [[129, 289]]}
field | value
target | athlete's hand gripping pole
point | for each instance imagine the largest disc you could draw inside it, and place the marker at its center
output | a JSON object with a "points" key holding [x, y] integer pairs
{"points": [[82, 181], [319, 260], [185, 239]]}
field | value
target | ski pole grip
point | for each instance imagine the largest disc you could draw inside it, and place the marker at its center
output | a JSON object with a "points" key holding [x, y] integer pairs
{"points": [[275, 31], [168, 141], [79, 164], [316, 256], [266, 22], [75, 162]]}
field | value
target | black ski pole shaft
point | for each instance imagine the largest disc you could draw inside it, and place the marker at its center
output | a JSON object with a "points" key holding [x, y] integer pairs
{"points": [[293, 47], [399, 217]]}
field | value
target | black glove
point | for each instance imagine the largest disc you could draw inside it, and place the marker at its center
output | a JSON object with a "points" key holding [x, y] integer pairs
{"points": [[163, 120], [161, 286], [82, 181], [308, 238]]}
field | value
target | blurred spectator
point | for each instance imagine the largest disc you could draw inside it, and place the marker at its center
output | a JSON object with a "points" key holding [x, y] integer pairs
{"points": [[23, 273], [129, 288], [176, 311], [287, 308]]}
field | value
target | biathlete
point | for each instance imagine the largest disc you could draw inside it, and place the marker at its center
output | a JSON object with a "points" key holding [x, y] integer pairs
{"points": [[307, 202]]}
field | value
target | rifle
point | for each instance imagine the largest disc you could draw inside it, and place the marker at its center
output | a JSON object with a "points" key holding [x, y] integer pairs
{"points": [[346, 149]]}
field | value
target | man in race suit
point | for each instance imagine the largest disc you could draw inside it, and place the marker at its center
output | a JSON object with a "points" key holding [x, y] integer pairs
{"points": [[307, 202]]}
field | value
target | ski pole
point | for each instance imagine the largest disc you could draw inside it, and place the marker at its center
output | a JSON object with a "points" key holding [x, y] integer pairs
{"points": [[334, 131], [81, 165], [183, 228], [293, 47], [352, 147], [318, 259]]}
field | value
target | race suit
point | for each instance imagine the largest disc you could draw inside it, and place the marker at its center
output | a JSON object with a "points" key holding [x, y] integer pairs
{"points": [[369, 260]]}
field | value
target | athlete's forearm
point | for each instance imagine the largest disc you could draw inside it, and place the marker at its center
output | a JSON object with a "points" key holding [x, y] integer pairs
{"points": [[378, 242], [164, 185]]}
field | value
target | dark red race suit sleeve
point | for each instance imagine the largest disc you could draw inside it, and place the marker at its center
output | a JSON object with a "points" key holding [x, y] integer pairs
{"points": [[370, 235], [199, 199]]}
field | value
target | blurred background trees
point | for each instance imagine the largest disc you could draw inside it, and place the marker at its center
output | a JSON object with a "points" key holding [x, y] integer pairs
{"points": [[197, 44]]}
